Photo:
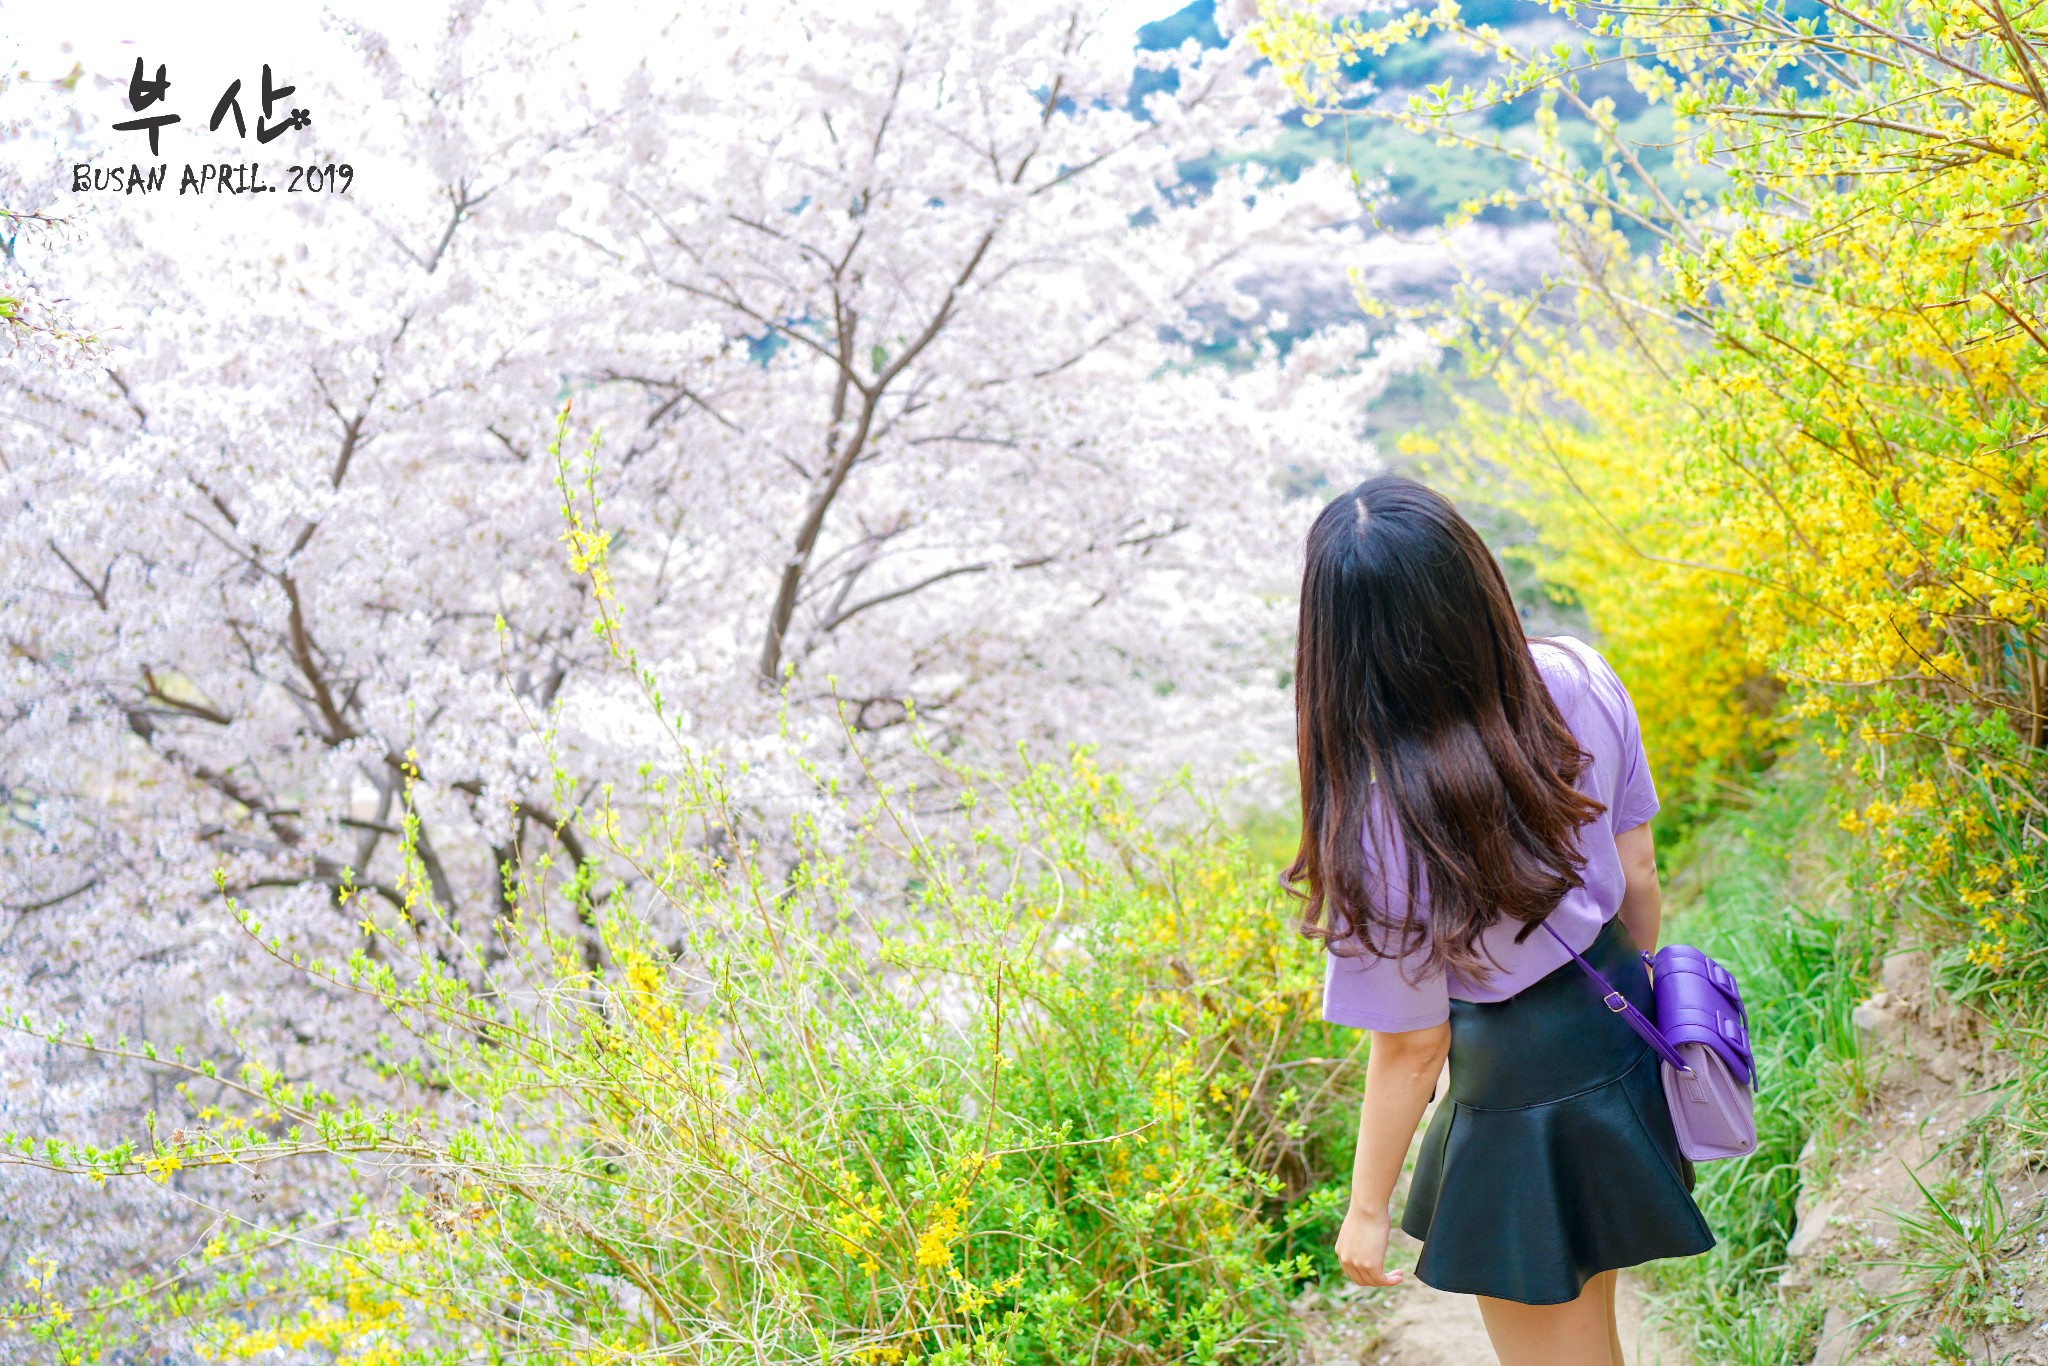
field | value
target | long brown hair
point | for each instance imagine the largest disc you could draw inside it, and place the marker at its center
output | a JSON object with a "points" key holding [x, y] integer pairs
{"points": [[1413, 676]]}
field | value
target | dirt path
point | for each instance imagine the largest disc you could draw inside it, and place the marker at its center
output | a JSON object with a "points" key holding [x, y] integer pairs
{"points": [[1432, 1328]]}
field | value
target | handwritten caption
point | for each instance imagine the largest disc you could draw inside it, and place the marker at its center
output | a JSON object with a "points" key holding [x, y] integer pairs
{"points": [[229, 178]]}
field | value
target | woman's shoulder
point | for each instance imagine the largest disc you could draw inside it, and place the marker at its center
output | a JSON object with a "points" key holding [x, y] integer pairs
{"points": [[1576, 673], [1568, 656]]}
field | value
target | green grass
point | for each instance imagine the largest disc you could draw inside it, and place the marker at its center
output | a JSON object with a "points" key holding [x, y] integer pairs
{"points": [[1961, 1243], [1761, 887]]}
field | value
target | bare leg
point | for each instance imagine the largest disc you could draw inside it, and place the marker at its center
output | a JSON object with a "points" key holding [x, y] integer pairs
{"points": [[1613, 1282], [1581, 1333]]}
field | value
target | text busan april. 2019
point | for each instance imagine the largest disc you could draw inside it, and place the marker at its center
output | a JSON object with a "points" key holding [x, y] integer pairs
{"points": [[231, 178]]}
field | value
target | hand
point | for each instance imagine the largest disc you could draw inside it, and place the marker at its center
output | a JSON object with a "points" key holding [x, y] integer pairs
{"points": [[1362, 1249]]}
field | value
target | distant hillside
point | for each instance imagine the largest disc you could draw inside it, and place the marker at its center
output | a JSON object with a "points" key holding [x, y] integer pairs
{"points": [[1424, 181]]}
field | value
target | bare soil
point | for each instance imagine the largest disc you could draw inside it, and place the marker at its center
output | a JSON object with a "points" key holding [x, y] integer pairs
{"points": [[1937, 1083], [1417, 1326]]}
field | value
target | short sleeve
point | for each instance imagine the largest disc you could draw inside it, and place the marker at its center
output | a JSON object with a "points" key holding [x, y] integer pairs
{"points": [[1366, 991], [1635, 791], [1369, 992]]}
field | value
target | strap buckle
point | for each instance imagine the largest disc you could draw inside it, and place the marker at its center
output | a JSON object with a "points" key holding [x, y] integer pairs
{"points": [[1615, 1002]]}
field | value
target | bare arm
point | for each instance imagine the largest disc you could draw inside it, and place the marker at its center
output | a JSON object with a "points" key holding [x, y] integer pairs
{"points": [[1400, 1073], [1642, 900]]}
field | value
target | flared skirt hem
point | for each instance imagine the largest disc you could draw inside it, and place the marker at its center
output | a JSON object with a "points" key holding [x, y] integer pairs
{"points": [[1529, 1204]]}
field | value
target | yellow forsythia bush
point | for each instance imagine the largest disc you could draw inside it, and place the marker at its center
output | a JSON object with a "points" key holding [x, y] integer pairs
{"points": [[1586, 455], [1828, 394]]}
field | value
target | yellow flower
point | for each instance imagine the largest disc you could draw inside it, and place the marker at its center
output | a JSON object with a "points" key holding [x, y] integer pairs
{"points": [[935, 1242]]}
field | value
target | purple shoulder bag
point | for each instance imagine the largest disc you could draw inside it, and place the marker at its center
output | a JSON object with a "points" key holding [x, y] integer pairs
{"points": [[1702, 1035]]}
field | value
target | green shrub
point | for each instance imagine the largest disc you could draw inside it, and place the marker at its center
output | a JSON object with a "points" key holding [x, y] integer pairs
{"points": [[1040, 1085]]}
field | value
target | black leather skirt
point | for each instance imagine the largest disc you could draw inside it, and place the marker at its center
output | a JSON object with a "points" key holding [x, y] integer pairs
{"points": [[1552, 1158]]}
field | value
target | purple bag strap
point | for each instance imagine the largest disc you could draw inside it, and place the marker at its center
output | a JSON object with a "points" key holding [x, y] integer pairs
{"points": [[1622, 1006]]}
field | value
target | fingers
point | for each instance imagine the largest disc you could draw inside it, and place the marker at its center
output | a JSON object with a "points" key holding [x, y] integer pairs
{"points": [[1362, 1251]]}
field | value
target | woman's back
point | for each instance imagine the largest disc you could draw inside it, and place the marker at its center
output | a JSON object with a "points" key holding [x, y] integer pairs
{"points": [[1368, 991]]}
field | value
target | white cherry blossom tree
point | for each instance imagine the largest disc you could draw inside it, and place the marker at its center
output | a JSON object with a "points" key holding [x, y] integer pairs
{"points": [[886, 314]]}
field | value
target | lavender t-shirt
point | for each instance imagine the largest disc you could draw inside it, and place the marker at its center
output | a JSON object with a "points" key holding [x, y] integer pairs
{"points": [[1386, 993]]}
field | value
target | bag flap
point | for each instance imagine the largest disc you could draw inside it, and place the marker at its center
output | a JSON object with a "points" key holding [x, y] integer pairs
{"points": [[1717, 1030], [1698, 1002]]}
